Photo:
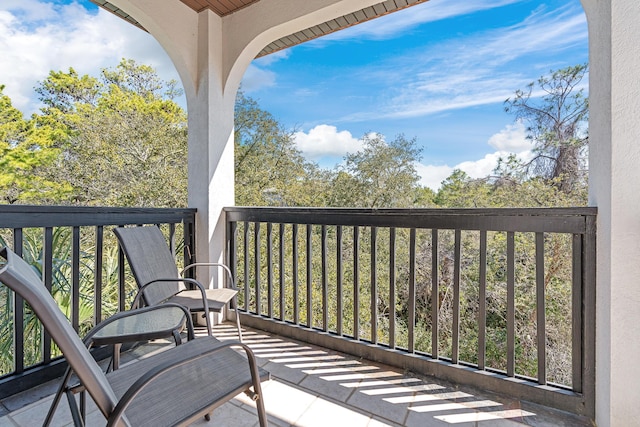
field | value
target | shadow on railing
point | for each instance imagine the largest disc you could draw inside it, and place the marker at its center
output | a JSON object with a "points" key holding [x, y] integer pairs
{"points": [[500, 299], [82, 266]]}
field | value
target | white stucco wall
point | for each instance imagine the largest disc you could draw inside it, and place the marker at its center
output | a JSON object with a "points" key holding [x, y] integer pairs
{"points": [[614, 135]]}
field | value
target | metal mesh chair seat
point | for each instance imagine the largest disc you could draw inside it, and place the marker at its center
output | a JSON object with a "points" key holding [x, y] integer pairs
{"points": [[206, 382]]}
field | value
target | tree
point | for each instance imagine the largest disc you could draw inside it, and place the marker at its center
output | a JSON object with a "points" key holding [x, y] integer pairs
{"points": [[126, 139], [556, 112], [270, 170], [380, 175], [26, 147]]}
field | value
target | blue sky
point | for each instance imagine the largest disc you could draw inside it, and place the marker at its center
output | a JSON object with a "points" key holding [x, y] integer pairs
{"points": [[438, 72]]}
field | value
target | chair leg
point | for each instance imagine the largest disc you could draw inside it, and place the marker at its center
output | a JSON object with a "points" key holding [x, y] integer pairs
{"points": [[207, 319], [56, 400], [238, 323], [75, 413], [234, 304]]}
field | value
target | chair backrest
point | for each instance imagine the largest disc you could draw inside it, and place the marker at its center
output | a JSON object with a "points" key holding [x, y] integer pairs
{"points": [[150, 259], [23, 280]]}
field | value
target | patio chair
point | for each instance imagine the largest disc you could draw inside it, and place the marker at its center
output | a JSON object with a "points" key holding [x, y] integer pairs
{"points": [[173, 387], [154, 269]]}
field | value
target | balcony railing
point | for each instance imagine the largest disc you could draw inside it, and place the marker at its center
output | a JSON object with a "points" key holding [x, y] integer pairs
{"points": [[499, 299], [502, 300], [83, 267]]}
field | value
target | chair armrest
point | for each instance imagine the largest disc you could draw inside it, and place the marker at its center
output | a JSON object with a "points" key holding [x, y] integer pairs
{"points": [[147, 378], [212, 264], [175, 279]]}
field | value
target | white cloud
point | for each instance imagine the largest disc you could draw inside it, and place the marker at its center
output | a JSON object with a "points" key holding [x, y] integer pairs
{"points": [[256, 78], [432, 176], [470, 70], [67, 35], [482, 167], [510, 140], [326, 140], [513, 138]]}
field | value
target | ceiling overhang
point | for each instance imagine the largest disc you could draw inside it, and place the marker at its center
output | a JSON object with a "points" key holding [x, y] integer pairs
{"points": [[227, 7]]}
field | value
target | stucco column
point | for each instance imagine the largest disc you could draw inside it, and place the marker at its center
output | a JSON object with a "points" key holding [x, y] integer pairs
{"points": [[211, 171], [614, 137]]}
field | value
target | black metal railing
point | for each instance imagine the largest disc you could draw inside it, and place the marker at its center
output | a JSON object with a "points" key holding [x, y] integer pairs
{"points": [[502, 299], [82, 266]]}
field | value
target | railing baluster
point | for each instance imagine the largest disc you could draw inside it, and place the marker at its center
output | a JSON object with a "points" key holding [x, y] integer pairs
{"points": [[121, 291], [435, 294], [455, 338], [482, 302], [540, 310], [97, 279], [356, 283], [232, 251], [325, 280], [257, 266], [75, 279], [576, 315], [294, 274], [189, 237], [47, 273], [172, 239], [281, 268], [392, 287], [511, 305], [309, 276], [270, 270], [374, 288], [339, 278], [584, 358], [412, 291], [247, 285], [18, 311]]}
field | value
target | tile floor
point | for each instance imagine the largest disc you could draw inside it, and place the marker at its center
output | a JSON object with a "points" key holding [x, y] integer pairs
{"points": [[312, 386]]}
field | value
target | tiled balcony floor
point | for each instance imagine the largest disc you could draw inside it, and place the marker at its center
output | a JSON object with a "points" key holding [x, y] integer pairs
{"points": [[312, 386]]}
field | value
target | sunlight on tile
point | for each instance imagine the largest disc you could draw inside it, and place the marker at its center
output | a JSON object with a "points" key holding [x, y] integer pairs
{"points": [[323, 364], [294, 352], [396, 390], [427, 397], [483, 416], [307, 358], [380, 383], [323, 413], [339, 370], [361, 376], [272, 347], [450, 406]]}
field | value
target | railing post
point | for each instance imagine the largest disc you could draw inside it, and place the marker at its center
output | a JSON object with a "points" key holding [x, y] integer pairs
{"points": [[18, 312]]}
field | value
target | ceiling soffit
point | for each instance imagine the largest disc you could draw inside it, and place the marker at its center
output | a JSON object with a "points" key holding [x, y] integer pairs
{"points": [[226, 7]]}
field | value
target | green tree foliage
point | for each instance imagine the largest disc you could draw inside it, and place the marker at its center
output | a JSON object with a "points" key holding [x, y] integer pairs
{"points": [[381, 175], [270, 170], [555, 110], [126, 141], [25, 148]]}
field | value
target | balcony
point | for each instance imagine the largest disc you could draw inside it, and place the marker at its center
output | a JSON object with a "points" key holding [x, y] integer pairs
{"points": [[339, 307]]}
